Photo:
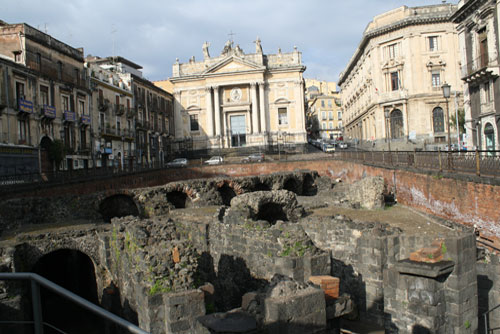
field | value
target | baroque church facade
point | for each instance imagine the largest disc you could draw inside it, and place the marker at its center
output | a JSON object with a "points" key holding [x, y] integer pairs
{"points": [[238, 99]]}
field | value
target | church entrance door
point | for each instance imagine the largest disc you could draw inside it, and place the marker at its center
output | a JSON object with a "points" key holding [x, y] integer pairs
{"points": [[238, 130]]}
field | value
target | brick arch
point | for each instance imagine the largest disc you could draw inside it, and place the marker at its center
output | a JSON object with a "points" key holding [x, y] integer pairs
{"points": [[27, 254], [118, 204], [75, 270], [174, 193], [227, 191]]}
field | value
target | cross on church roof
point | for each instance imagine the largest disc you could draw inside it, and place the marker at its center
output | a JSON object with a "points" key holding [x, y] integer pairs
{"points": [[231, 34]]}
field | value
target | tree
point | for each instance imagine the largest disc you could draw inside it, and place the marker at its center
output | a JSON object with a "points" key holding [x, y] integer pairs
{"points": [[312, 127], [461, 120], [57, 152]]}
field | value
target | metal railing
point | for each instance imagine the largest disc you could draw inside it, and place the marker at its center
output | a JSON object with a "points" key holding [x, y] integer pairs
{"points": [[478, 63], [480, 163], [487, 329], [37, 281]]}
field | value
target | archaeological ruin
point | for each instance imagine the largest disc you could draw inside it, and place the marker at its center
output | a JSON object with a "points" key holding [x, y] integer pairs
{"points": [[273, 253]]}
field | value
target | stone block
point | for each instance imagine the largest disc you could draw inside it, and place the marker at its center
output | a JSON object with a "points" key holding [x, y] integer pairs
{"points": [[329, 285], [176, 255], [178, 326]]}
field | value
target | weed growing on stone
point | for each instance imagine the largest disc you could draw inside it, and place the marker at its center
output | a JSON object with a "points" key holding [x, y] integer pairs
{"points": [[467, 324], [443, 248], [160, 286]]}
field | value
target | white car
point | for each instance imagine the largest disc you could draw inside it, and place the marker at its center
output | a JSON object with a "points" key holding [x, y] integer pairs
{"points": [[180, 162], [342, 145], [328, 148], [215, 160]]}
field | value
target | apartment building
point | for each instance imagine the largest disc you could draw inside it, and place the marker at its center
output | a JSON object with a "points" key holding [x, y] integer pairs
{"points": [[135, 121], [478, 27], [44, 97], [392, 85], [324, 113]]}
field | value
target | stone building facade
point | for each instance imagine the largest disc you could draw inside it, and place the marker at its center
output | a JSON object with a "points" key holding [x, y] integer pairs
{"points": [[113, 118], [44, 96], [478, 27], [134, 118], [402, 61], [324, 113], [237, 99]]}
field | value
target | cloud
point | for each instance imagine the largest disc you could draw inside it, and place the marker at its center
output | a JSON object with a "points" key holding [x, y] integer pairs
{"points": [[154, 33]]}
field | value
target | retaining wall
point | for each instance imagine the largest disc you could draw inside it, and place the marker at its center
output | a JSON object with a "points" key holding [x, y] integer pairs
{"points": [[465, 199]]}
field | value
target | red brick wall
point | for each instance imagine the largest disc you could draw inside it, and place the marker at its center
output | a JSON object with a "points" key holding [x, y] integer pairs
{"points": [[457, 199]]}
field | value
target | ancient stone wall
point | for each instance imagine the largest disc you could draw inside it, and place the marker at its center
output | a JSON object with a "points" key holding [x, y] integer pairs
{"points": [[465, 199], [263, 255], [364, 256], [488, 282], [359, 255], [436, 297]]}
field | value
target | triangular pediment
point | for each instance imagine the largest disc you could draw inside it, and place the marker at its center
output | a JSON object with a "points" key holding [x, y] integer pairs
{"points": [[233, 64]]}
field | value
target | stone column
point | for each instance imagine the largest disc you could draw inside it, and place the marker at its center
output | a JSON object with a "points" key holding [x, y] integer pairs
{"points": [[225, 130], [210, 112], [255, 109], [262, 109], [179, 133], [217, 111]]}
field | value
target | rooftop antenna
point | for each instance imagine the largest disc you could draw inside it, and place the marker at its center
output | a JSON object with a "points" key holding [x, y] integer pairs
{"points": [[231, 34], [113, 31]]}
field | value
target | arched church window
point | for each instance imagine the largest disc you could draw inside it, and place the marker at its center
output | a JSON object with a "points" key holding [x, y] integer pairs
{"points": [[438, 120]]}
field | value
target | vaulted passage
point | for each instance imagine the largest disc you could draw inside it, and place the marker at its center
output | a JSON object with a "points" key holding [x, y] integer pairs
{"points": [[227, 193], [178, 199], [271, 212], [308, 187], [261, 187], [118, 206], [292, 185], [74, 271]]}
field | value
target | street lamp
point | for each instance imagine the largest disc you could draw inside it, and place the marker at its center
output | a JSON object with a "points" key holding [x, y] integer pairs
{"points": [[446, 95]]}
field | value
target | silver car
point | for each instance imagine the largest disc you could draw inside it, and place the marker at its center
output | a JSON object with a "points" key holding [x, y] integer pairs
{"points": [[215, 160], [256, 157], [179, 162]]}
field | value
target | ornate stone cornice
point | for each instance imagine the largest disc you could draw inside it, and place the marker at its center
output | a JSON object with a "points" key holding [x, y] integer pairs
{"points": [[441, 17], [467, 10]]}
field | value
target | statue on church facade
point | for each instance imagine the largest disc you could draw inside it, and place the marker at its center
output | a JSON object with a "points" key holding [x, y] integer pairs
{"points": [[258, 47], [227, 48], [238, 51], [206, 54]]}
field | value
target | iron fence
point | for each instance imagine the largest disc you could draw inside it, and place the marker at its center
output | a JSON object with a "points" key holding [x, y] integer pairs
{"points": [[480, 163]]}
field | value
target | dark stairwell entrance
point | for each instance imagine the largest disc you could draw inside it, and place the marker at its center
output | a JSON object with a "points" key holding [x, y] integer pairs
{"points": [[74, 271]]}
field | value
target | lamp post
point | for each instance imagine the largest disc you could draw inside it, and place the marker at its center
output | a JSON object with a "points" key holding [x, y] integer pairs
{"points": [[387, 114], [446, 95]]}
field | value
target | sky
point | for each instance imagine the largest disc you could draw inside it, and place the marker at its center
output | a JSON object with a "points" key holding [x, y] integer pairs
{"points": [[154, 33]]}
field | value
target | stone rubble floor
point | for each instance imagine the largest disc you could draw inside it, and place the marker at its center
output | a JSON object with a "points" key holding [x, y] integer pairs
{"points": [[409, 220]]}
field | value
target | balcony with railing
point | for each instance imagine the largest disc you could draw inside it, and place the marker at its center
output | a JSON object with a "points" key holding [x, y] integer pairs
{"points": [[119, 109], [130, 112], [103, 104], [481, 67]]}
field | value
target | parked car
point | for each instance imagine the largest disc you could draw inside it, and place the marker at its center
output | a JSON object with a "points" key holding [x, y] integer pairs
{"points": [[256, 157], [454, 147], [179, 162], [328, 148], [342, 145], [215, 160]]}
